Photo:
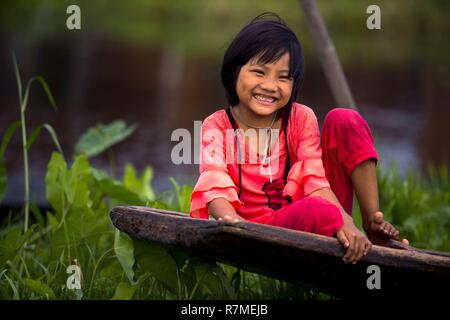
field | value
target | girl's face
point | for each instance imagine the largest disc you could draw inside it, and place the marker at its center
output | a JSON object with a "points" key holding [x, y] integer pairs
{"points": [[264, 88]]}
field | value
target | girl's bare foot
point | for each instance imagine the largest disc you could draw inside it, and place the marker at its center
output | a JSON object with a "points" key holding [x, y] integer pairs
{"points": [[380, 230]]}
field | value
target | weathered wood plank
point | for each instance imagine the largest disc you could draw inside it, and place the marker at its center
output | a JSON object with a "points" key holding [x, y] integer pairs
{"points": [[289, 255]]}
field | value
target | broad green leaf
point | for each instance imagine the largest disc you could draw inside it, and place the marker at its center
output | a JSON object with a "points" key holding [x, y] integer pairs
{"points": [[185, 198], [236, 280], [39, 288], [183, 195], [123, 247], [77, 183], [156, 260], [83, 224], [212, 279], [97, 194], [81, 228], [52, 221], [99, 174], [68, 190], [101, 137], [117, 191], [158, 205], [76, 221], [146, 180], [141, 186], [11, 244], [124, 291], [226, 283], [60, 243], [113, 271], [55, 182]]}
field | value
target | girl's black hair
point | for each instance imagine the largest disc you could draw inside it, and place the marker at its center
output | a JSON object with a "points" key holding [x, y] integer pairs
{"points": [[268, 38]]}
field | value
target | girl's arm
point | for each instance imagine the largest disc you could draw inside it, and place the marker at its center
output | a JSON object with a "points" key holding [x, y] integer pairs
{"points": [[349, 235], [221, 209]]}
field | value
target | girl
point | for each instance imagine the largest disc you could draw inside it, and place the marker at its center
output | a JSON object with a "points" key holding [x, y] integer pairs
{"points": [[262, 158]]}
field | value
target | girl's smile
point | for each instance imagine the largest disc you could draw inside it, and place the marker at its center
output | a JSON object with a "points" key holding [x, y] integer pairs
{"points": [[263, 88], [265, 100]]}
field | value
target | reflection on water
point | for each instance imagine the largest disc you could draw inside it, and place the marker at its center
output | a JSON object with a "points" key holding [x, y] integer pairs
{"points": [[163, 90], [395, 132]]}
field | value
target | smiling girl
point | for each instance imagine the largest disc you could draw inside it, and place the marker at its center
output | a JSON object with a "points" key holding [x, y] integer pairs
{"points": [[276, 169]]}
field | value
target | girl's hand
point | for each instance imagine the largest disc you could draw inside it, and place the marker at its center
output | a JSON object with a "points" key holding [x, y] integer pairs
{"points": [[222, 210], [379, 230], [229, 219], [353, 240]]}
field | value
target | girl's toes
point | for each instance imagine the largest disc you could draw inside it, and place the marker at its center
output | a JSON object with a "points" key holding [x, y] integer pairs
{"points": [[392, 231], [379, 217], [405, 241], [385, 228], [390, 228]]}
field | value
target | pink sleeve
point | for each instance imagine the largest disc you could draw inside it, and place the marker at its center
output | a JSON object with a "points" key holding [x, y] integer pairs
{"points": [[307, 174], [214, 181]]}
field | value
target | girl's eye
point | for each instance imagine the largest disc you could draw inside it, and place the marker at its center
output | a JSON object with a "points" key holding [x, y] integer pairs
{"points": [[285, 78], [258, 72]]}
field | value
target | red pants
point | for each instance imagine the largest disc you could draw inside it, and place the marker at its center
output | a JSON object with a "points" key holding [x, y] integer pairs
{"points": [[346, 142]]}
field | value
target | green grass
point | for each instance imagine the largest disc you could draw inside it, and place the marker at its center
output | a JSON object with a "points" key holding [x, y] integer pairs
{"points": [[417, 204]]}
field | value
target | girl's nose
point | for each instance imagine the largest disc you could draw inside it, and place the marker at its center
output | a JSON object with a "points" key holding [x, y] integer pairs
{"points": [[268, 85]]}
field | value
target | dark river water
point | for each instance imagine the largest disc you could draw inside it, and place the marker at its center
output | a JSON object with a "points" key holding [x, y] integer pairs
{"points": [[162, 90]]}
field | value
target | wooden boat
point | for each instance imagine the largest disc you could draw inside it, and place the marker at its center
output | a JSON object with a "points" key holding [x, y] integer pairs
{"points": [[297, 257]]}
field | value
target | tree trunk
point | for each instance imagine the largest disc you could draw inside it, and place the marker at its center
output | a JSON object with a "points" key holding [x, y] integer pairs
{"points": [[327, 55], [294, 256]]}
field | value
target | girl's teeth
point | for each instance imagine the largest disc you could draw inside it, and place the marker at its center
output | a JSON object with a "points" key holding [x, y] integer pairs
{"points": [[264, 98]]}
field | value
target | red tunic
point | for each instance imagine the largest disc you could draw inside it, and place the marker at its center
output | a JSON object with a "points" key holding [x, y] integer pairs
{"points": [[263, 190]]}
